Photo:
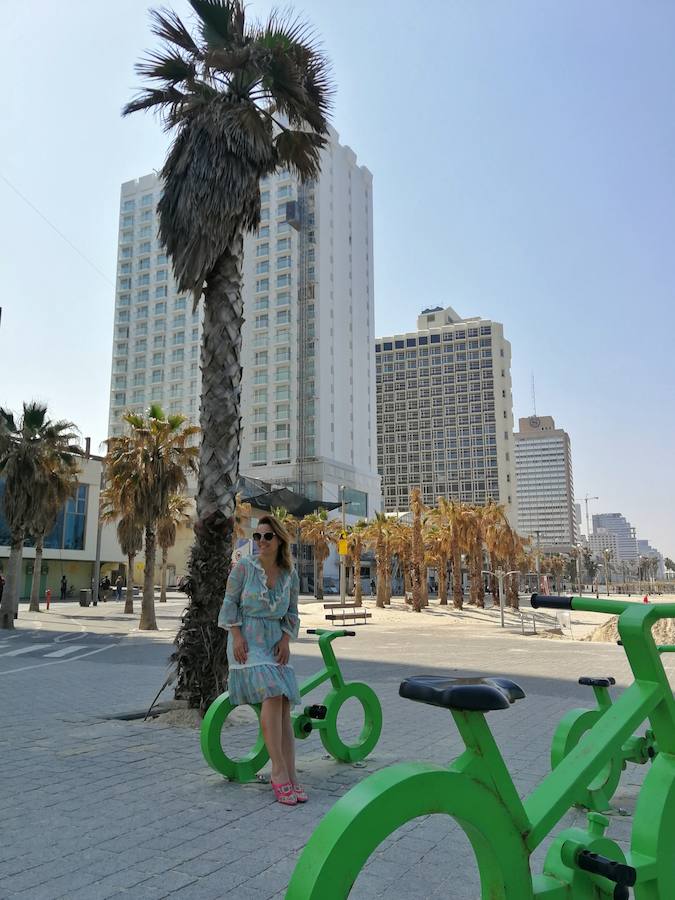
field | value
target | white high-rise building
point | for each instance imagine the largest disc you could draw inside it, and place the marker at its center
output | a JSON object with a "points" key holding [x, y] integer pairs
{"points": [[445, 412], [545, 484], [626, 540], [308, 387]]}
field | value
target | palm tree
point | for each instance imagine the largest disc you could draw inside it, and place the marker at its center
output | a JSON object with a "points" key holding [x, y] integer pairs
{"points": [[418, 567], [356, 545], [454, 518], [130, 537], [438, 541], [316, 530], [167, 528], [144, 468], [55, 486], [242, 100], [27, 449], [377, 535], [288, 520]]}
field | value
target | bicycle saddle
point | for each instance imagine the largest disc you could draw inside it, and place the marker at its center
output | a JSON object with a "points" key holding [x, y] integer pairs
{"points": [[476, 694]]}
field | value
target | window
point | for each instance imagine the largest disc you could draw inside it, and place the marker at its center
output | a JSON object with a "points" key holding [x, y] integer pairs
{"points": [[178, 355], [284, 190], [161, 275], [160, 309], [262, 321], [178, 338], [264, 231], [144, 264], [283, 280], [127, 221], [283, 373], [283, 316], [124, 300], [262, 302], [158, 358], [264, 196], [180, 303], [128, 205], [262, 249], [260, 433], [147, 215], [145, 247], [161, 259], [122, 315], [262, 284], [284, 298], [179, 321], [282, 411], [260, 358], [158, 340], [146, 231], [283, 354], [139, 379], [260, 395], [146, 200], [143, 279], [262, 267], [283, 262], [283, 244], [161, 291], [157, 376]]}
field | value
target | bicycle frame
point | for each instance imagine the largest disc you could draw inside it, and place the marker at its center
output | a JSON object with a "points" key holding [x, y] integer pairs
{"points": [[322, 718], [478, 790]]}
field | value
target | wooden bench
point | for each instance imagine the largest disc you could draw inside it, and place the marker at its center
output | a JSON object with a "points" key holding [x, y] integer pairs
{"points": [[343, 611]]}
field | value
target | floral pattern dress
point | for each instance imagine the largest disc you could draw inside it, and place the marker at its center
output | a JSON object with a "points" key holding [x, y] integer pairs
{"points": [[263, 614]]}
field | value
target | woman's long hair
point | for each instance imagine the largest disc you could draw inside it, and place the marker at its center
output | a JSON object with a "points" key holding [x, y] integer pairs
{"points": [[284, 560]]}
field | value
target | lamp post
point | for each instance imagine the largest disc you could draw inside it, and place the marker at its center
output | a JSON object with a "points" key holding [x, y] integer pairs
{"points": [[343, 555], [500, 574], [607, 554]]}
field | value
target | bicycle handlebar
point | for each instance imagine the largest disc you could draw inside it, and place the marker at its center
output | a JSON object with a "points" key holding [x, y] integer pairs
{"points": [[340, 633], [591, 604], [549, 602]]}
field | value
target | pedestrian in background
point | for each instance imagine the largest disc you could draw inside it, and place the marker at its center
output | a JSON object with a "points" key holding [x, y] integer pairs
{"points": [[64, 587], [118, 587]]}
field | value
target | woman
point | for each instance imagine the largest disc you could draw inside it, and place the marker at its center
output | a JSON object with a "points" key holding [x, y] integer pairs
{"points": [[260, 610]]}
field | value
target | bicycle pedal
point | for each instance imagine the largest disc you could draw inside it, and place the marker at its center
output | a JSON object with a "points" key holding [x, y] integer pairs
{"points": [[316, 711]]}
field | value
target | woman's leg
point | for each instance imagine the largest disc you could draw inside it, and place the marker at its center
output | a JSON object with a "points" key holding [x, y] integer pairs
{"points": [[288, 740], [271, 721]]}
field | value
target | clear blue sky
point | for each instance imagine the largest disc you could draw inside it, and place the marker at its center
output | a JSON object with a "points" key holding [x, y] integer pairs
{"points": [[523, 161]]}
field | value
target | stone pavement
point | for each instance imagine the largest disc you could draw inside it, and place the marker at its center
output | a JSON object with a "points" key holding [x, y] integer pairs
{"points": [[92, 807]]}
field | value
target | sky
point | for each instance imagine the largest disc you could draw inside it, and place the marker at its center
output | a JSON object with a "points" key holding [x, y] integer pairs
{"points": [[522, 154]]}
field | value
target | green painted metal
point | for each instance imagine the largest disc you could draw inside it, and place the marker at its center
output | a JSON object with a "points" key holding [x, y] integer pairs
{"points": [[478, 791], [244, 769]]}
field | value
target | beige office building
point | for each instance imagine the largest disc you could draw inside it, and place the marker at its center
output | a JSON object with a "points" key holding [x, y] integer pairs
{"points": [[445, 412]]}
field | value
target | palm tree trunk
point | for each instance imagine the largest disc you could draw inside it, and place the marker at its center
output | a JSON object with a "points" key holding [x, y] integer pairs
{"points": [[10, 594], [316, 576], [148, 621], [129, 593], [457, 596], [200, 655], [381, 574], [319, 579], [480, 587], [162, 591], [443, 581], [358, 592], [37, 572]]}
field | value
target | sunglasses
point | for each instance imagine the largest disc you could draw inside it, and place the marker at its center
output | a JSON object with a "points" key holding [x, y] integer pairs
{"points": [[265, 536]]}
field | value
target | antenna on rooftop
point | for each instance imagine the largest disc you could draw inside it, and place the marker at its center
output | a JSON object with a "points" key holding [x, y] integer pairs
{"points": [[534, 397]]}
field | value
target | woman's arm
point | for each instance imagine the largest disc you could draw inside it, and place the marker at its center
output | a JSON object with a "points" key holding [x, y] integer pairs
{"points": [[229, 617]]}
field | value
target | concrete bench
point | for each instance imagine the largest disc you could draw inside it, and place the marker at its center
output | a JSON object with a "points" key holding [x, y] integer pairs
{"points": [[343, 611]]}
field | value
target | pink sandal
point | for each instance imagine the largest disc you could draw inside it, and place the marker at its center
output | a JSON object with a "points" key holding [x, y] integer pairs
{"points": [[284, 793], [300, 793]]}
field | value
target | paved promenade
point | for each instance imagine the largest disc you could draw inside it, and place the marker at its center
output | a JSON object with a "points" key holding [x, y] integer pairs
{"points": [[94, 807]]}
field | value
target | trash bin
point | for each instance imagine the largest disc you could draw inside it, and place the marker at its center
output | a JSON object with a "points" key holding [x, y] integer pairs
{"points": [[85, 597]]}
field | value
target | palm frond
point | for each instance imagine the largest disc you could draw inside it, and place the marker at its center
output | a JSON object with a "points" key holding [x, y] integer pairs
{"points": [[168, 65], [222, 22], [168, 26], [301, 151]]}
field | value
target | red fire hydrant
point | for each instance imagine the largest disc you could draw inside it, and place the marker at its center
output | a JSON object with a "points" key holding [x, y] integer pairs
{"points": [[645, 599], [48, 596]]}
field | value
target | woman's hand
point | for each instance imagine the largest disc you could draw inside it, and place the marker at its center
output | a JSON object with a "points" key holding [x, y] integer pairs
{"points": [[240, 647], [282, 651]]}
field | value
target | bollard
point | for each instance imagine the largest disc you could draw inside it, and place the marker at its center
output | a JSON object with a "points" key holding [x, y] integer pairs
{"points": [[48, 596]]}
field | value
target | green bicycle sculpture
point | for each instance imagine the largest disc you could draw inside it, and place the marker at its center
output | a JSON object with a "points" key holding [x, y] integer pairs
{"points": [[319, 717], [478, 791]]}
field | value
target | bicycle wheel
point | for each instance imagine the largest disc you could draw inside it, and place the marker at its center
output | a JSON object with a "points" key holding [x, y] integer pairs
{"points": [[654, 829], [380, 804], [372, 722], [597, 795], [236, 769]]}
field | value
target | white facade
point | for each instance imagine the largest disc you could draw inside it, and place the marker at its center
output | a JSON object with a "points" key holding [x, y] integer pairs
{"points": [[445, 412], [604, 540], [545, 484], [309, 319], [626, 542]]}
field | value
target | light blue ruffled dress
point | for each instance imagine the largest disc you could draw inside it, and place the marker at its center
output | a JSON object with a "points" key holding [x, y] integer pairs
{"points": [[263, 614]]}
